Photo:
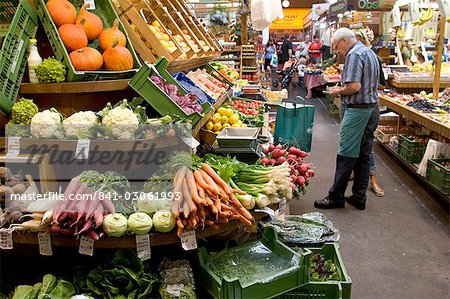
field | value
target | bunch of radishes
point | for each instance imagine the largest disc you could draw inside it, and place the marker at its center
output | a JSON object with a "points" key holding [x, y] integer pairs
{"points": [[300, 172]]}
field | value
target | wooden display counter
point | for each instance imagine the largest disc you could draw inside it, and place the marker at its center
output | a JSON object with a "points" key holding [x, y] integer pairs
{"points": [[399, 84], [414, 115]]}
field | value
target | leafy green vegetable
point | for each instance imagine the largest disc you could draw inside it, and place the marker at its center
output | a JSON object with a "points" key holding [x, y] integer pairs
{"points": [[48, 284], [22, 291], [321, 269], [63, 289]]}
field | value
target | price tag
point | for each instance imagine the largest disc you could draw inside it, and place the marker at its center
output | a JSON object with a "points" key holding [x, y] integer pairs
{"points": [[86, 246], [191, 142], [13, 147], [270, 212], [45, 244], [281, 209], [143, 247], [6, 241], [189, 240], [82, 151], [91, 4]]}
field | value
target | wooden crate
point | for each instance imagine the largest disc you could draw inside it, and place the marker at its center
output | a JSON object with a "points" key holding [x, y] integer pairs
{"points": [[147, 44], [195, 24], [156, 8]]}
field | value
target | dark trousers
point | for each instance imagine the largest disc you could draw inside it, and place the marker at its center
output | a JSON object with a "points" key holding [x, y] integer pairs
{"points": [[360, 166]]}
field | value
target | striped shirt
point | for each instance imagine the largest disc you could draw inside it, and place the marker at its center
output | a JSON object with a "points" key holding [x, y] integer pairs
{"points": [[362, 66]]}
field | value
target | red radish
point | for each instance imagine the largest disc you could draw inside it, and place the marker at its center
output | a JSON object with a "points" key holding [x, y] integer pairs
{"points": [[265, 161], [293, 178], [292, 157], [301, 181], [306, 175], [279, 146], [272, 161], [292, 168], [67, 231], [302, 154], [91, 233], [98, 216], [271, 147], [281, 160], [108, 205], [266, 150], [293, 150], [86, 226], [303, 168], [311, 173], [293, 186], [55, 228], [283, 152], [276, 153]]}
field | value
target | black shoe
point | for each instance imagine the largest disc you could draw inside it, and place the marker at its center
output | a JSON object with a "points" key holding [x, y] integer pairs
{"points": [[327, 203], [360, 205]]}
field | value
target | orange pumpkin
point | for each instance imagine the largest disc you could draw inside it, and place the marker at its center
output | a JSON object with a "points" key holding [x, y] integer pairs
{"points": [[117, 58], [73, 36], [93, 25], [86, 59], [62, 12], [109, 36]]}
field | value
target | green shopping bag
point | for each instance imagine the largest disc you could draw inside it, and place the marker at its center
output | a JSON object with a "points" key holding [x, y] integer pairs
{"points": [[294, 125]]}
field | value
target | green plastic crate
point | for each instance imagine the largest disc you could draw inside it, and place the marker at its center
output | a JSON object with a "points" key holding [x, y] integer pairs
{"points": [[7, 10], [331, 251], [315, 290], [225, 287], [14, 53], [438, 176], [156, 97], [105, 11], [216, 74], [411, 151]]}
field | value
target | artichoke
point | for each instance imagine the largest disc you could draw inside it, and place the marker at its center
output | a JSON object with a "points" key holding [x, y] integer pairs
{"points": [[51, 71], [22, 111]]}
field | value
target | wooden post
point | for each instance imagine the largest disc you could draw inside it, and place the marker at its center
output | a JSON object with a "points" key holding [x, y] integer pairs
{"points": [[440, 47], [244, 31]]}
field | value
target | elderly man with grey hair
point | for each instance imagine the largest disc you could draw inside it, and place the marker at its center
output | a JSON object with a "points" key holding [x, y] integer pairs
{"points": [[360, 79]]}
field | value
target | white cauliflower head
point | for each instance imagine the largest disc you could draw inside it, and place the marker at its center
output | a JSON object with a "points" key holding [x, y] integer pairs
{"points": [[122, 122], [47, 124], [79, 124]]}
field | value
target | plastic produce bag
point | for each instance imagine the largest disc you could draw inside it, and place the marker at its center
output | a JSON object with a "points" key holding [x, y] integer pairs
{"points": [[435, 150], [177, 280], [309, 229], [190, 87], [263, 12]]}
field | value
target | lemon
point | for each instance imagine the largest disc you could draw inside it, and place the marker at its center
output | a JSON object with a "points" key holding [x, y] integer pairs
{"points": [[217, 126], [209, 126], [244, 126], [223, 119], [216, 119], [228, 112], [217, 114], [217, 132], [233, 119], [239, 123], [235, 125], [222, 110], [227, 125]]}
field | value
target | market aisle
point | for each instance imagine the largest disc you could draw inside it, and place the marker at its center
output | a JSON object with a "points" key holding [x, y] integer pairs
{"points": [[396, 248]]}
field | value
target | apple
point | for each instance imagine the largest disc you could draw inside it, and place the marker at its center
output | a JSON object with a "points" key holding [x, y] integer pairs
{"points": [[156, 24]]}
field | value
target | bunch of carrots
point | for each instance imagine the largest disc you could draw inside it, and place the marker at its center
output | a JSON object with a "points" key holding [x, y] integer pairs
{"points": [[75, 217], [205, 200]]}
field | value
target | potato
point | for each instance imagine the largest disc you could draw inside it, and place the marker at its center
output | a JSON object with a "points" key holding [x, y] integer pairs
{"points": [[19, 188], [5, 193], [5, 173]]}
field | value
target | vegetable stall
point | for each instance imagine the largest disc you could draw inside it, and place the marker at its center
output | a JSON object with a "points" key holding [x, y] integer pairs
{"points": [[132, 151]]}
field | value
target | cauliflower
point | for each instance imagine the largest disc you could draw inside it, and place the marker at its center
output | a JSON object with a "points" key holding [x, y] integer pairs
{"points": [[47, 124], [79, 125], [22, 111], [122, 122]]}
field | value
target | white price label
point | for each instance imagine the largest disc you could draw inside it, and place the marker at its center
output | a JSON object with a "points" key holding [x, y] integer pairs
{"points": [[143, 246], [45, 244], [91, 4], [191, 142], [86, 246], [189, 240], [6, 241], [13, 147], [82, 151], [281, 209], [270, 212]]}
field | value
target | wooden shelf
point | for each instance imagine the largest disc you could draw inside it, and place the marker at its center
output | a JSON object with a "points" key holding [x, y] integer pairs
{"points": [[204, 120], [100, 145], [156, 239], [75, 87], [416, 116], [250, 71], [418, 84], [228, 59], [189, 64]]}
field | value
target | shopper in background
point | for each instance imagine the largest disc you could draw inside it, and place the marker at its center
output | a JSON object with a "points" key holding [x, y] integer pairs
{"points": [[301, 68], [360, 78], [286, 49], [314, 50], [270, 49], [304, 46]]}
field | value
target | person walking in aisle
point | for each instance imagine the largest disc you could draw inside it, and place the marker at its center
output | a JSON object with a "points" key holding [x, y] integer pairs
{"points": [[360, 78], [315, 50], [270, 50], [286, 49]]}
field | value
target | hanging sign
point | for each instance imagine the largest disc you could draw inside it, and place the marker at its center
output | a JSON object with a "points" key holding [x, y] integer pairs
{"points": [[293, 19], [363, 5], [338, 8]]}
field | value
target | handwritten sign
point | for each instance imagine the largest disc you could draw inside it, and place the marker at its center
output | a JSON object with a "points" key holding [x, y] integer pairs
{"points": [[189, 240], [143, 247], [82, 151], [13, 147], [6, 241], [86, 246], [45, 244]]}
